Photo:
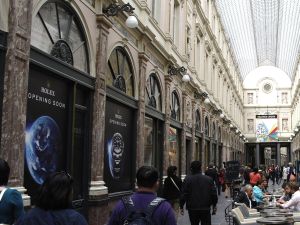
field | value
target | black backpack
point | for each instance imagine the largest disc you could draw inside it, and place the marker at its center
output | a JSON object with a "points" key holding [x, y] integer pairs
{"points": [[140, 217]]}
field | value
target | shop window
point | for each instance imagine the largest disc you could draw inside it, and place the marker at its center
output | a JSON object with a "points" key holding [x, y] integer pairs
{"points": [[175, 107], [173, 150], [56, 30], [120, 73], [153, 93], [198, 120], [206, 127]]}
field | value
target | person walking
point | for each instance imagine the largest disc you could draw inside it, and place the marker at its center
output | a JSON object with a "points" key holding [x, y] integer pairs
{"points": [[285, 172], [53, 203], [11, 203], [139, 204], [254, 177], [172, 189], [199, 194], [213, 173]]}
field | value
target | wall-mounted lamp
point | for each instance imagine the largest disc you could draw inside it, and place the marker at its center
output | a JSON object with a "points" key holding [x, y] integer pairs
{"points": [[221, 114], [241, 135], [231, 126], [296, 130], [113, 9], [205, 96], [236, 131], [179, 71]]}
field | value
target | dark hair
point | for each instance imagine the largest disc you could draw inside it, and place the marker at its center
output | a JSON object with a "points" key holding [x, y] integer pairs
{"points": [[55, 192], [147, 176], [259, 182], [4, 172], [255, 170], [195, 167], [171, 170], [293, 186]]}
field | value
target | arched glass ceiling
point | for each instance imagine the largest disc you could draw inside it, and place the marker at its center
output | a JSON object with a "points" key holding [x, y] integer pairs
{"points": [[262, 32]]}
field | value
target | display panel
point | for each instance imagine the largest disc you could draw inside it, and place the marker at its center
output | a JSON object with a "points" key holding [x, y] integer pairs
{"points": [[46, 128], [266, 128], [119, 148]]}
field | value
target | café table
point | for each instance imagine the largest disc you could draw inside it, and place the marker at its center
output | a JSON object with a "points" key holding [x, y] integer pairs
{"points": [[274, 215]]}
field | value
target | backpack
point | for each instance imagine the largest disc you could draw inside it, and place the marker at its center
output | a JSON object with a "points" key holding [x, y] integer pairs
{"points": [[140, 217]]}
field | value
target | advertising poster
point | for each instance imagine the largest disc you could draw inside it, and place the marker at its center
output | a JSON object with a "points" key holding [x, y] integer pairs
{"points": [[266, 128], [119, 147], [46, 128]]}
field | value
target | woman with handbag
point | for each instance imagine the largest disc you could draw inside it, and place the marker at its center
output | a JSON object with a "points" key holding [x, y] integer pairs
{"points": [[172, 188]]}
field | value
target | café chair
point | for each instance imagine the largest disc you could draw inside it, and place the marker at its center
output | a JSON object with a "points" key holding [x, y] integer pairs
{"points": [[239, 219], [248, 213], [251, 211]]}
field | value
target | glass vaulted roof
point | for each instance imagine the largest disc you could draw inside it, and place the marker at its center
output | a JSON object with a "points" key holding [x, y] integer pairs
{"points": [[262, 32]]}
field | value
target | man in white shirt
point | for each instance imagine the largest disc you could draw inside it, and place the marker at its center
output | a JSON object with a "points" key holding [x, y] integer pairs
{"points": [[295, 200]]}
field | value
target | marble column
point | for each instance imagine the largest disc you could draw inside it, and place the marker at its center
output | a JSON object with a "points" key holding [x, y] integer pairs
{"points": [[143, 59], [183, 149], [257, 156], [278, 156], [168, 81], [97, 190], [15, 87], [193, 149]]}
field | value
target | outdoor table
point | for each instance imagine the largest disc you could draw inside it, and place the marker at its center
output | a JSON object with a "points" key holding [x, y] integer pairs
{"points": [[276, 220]]}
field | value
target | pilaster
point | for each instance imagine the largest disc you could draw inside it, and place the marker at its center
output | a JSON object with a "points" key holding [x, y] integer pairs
{"points": [[97, 190], [183, 159], [143, 59], [15, 87]]}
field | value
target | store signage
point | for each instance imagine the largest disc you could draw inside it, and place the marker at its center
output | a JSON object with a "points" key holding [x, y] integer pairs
{"points": [[119, 148], [46, 128], [232, 170], [266, 128]]}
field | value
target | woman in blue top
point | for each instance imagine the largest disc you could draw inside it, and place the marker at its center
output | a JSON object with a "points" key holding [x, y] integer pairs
{"points": [[258, 193], [53, 204], [11, 203]]}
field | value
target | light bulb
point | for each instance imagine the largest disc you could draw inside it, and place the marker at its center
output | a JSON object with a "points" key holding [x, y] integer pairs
{"points": [[186, 78], [132, 22]]}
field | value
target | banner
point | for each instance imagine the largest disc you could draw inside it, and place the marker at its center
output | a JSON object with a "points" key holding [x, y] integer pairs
{"points": [[266, 128], [46, 128], [119, 147]]}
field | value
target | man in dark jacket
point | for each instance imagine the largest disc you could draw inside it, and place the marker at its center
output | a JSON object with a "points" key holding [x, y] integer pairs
{"points": [[199, 193], [245, 197]]}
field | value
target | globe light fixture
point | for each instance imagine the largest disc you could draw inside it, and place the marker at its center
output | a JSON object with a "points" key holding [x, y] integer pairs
{"points": [[241, 135], [113, 9], [172, 71], [296, 130], [231, 126], [207, 101], [132, 22], [236, 131], [222, 115]]}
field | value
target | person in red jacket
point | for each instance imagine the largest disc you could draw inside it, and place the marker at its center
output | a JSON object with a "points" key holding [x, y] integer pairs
{"points": [[254, 177]]}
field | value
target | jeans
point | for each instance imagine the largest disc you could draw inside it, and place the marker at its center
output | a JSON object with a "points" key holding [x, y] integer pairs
{"points": [[200, 215]]}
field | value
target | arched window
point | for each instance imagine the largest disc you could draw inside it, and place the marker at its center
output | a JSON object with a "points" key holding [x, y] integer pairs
{"points": [[57, 30], [174, 106], [214, 131], [153, 93], [198, 120], [120, 71], [206, 127]]}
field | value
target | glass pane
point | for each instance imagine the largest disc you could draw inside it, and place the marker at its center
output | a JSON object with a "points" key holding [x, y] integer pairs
{"points": [[48, 13], [149, 145], [80, 58], [39, 36], [173, 147], [78, 154], [65, 20]]}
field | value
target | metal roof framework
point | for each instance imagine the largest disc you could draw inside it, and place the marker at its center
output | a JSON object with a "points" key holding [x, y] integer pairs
{"points": [[262, 32]]}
